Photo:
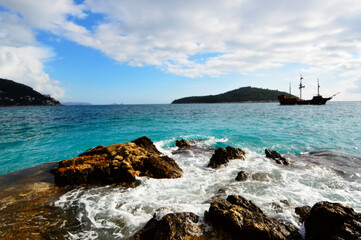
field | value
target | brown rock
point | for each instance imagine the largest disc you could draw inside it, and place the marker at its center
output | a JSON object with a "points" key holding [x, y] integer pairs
{"points": [[180, 226], [182, 143], [231, 219], [276, 157], [147, 144], [303, 212], [171, 226], [244, 220], [242, 176], [223, 155], [332, 221], [116, 164]]}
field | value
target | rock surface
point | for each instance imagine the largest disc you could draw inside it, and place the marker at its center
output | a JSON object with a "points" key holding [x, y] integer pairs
{"points": [[231, 219], [237, 218], [182, 143], [224, 155], [242, 176], [171, 226], [117, 163], [276, 157], [147, 144], [332, 221], [303, 212], [244, 220]]}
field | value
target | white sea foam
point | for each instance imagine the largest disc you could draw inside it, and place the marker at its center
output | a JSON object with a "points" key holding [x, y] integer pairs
{"points": [[118, 212]]}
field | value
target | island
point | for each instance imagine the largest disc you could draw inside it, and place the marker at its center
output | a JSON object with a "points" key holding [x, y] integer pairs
{"points": [[243, 94], [17, 94]]}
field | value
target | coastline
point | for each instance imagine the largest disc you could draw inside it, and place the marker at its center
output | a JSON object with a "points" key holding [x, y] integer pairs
{"points": [[28, 199]]}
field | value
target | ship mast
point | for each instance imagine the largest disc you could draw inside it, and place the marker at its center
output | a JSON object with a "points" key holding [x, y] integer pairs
{"points": [[290, 89], [318, 87], [301, 86]]}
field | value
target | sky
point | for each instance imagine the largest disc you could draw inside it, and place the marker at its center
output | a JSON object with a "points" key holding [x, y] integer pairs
{"points": [[155, 51]]}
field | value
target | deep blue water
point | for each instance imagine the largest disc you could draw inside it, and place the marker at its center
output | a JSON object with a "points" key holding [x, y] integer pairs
{"points": [[33, 135]]}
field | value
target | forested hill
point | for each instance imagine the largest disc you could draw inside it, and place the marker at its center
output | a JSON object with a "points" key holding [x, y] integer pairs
{"points": [[17, 94], [244, 94]]}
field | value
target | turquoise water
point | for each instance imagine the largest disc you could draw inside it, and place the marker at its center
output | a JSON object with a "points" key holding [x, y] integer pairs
{"points": [[33, 135], [321, 142]]}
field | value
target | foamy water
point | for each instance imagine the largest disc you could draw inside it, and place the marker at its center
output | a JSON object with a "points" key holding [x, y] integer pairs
{"points": [[117, 212]]}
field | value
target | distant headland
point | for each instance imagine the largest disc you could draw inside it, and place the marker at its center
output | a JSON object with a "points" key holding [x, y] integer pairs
{"points": [[17, 94], [243, 94]]}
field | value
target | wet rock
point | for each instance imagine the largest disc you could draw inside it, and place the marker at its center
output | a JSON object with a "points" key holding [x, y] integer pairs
{"points": [[242, 176], [231, 219], [281, 206], [116, 163], [244, 220], [147, 144], [223, 155], [171, 226], [303, 212], [276, 157], [182, 143], [180, 226], [332, 221]]}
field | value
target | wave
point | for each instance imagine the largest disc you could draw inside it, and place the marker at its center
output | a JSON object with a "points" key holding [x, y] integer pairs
{"points": [[117, 211]]}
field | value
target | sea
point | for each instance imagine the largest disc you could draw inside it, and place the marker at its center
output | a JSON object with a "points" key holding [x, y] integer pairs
{"points": [[323, 144]]}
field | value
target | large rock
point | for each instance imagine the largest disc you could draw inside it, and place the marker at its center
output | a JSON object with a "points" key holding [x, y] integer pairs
{"points": [[242, 176], [117, 163], [182, 143], [303, 212], [276, 157], [147, 144], [332, 221], [223, 155], [171, 226], [244, 220]]}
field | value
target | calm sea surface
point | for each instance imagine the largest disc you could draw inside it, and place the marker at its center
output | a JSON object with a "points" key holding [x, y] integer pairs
{"points": [[322, 142]]}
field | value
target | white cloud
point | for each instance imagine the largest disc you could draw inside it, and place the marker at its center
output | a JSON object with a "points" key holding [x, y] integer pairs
{"points": [[24, 64], [251, 34], [45, 14], [21, 56], [323, 36]]}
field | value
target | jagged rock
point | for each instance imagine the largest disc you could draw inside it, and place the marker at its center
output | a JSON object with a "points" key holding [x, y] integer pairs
{"points": [[171, 226], [244, 220], [182, 143], [332, 221], [303, 212], [231, 219], [116, 164], [147, 144], [223, 155], [180, 226], [276, 157], [242, 176]]}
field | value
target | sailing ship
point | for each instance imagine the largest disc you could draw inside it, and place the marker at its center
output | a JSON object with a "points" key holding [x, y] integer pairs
{"points": [[316, 100]]}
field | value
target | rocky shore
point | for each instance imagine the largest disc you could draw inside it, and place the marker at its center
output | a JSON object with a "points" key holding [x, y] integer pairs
{"points": [[237, 218], [228, 217], [117, 163]]}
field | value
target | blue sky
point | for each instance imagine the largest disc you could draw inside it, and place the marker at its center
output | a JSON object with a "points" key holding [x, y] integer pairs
{"points": [[140, 51]]}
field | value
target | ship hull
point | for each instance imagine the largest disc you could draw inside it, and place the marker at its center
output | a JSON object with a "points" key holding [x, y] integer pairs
{"points": [[316, 100]]}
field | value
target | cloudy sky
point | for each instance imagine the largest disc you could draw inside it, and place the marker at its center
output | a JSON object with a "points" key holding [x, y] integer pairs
{"points": [[142, 51]]}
